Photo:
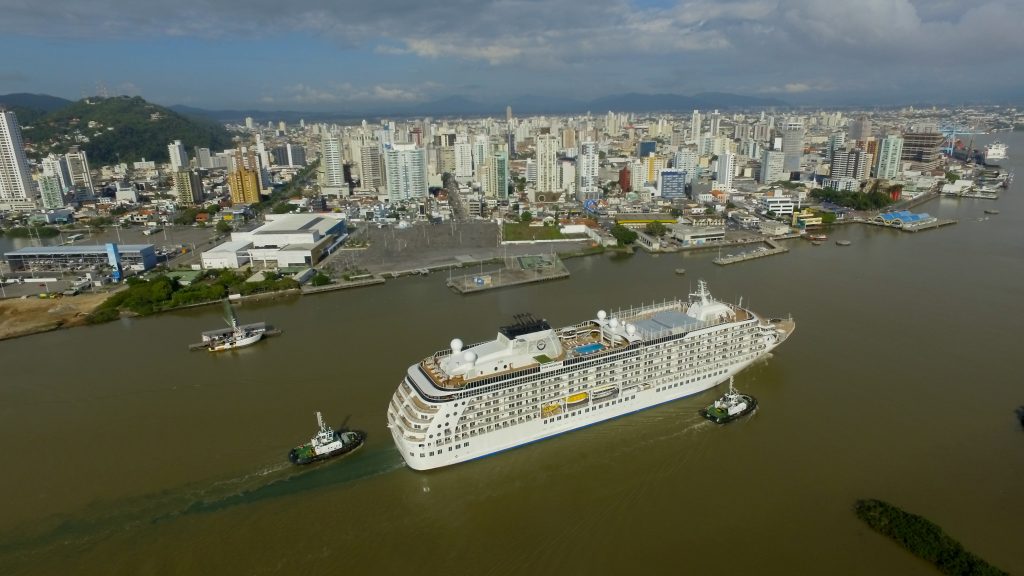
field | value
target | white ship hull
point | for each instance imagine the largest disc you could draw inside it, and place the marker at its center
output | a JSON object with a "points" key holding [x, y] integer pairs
{"points": [[236, 343], [435, 426]]}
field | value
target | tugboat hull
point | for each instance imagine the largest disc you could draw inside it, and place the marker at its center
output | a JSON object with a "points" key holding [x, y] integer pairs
{"points": [[721, 417], [302, 455]]}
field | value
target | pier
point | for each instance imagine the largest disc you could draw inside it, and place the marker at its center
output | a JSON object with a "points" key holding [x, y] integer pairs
{"points": [[774, 248], [518, 270]]}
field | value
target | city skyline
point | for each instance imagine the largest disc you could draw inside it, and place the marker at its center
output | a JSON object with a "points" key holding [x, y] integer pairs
{"points": [[394, 54]]}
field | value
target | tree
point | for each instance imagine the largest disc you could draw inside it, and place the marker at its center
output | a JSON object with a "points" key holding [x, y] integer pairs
{"points": [[223, 227], [828, 217], [675, 212], [526, 216], [951, 177], [624, 235], [656, 229]]}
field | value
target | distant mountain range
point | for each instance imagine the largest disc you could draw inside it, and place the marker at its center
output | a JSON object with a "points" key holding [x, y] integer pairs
{"points": [[119, 128], [31, 107], [522, 105]]}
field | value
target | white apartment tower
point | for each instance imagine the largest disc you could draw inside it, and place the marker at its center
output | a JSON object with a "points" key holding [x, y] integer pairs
{"points": [[695, 126], [463, 160], [547, 167], [587, 163], [179, 158], [15, 176], [405, 166], [725, 171], [332, 173], [890, 152], [78, 170]]}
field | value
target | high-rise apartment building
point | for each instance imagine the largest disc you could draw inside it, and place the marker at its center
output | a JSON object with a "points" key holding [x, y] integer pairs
{"points": [[695, 120], [463, 160], [772, 166], [587, 165], [860, 129], [850, 163], [645, 148], [547, 168], [725, 170], [923, 150], [716, 123], [687, 160], [178, 156], [405, 168], [890, 156], [653, 163], [78, 170], [371, 167], [495, 175], [332, 171], [188, 187], [793, 144], [244, 179]]}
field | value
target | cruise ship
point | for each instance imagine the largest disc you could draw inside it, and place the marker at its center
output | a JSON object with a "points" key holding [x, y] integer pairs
{"points": [[533, 381], [994, 153]]}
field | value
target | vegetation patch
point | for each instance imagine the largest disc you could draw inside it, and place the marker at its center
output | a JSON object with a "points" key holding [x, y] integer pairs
{"points": [[856, 200], [161, 293], [923, 538]]}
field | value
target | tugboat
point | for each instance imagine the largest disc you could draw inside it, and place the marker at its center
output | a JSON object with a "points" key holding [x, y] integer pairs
{"points": [[729, 407], [237, 336], [327, 443]]}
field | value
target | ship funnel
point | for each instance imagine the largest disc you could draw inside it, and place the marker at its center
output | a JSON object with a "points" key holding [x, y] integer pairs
{"points": [[456, 346]]}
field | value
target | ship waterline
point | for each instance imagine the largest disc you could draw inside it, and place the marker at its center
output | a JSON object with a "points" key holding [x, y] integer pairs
{"points": [[533, 382]]}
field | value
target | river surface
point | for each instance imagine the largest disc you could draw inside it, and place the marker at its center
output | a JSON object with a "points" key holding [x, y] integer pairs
{"points": [[126, 454]]}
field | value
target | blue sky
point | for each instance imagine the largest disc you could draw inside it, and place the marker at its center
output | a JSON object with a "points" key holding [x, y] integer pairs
{"points": [[332, 55]]}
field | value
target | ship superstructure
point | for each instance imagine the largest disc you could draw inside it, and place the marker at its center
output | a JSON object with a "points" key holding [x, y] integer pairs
{"points": [[533, 381], [994, 153]]}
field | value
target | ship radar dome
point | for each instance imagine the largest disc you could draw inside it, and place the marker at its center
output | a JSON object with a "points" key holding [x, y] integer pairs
{"points": [[469, 356], [601, 314], [456, 346], [614, 322], [630, 329]]}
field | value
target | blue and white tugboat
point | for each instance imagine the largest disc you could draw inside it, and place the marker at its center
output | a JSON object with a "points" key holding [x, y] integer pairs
{"points": [[729, 407], [327, 443]]}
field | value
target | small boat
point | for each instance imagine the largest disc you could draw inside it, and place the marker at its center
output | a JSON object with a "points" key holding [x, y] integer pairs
{"points": [[991, 211], [729, 407], [680, 271], [577, 398], [815, 243], [818, 237], [604, 392], [843, 242], [327, 443], [236, 336]]}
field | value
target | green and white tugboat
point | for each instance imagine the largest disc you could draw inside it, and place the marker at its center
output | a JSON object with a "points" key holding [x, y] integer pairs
{"points": [[729, 407], [327, 443]]}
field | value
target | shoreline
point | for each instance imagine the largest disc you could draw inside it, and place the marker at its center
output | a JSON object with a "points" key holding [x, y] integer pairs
{"points": [[83, 305]]}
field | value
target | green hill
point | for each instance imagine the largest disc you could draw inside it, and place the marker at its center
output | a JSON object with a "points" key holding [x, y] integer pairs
{"points": [[120, 128], [31, 107]]}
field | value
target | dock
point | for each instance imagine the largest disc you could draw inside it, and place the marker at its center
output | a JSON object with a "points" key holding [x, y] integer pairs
{"points": [[937, 223], [773, 249], [268, 332], [517, 271]]}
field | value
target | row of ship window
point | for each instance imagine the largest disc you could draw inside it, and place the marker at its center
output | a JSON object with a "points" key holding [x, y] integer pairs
{"points": [[424, 455]]}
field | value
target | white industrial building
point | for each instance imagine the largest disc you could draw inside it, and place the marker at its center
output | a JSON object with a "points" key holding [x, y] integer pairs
{"points": [[233, 254], [285, 240]]}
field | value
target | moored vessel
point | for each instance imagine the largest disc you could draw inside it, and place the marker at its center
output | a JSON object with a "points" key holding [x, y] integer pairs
{"points": [[994, 153], [327, 443], [817, 237], [533, 381], [730, 406], [236, 336]]}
